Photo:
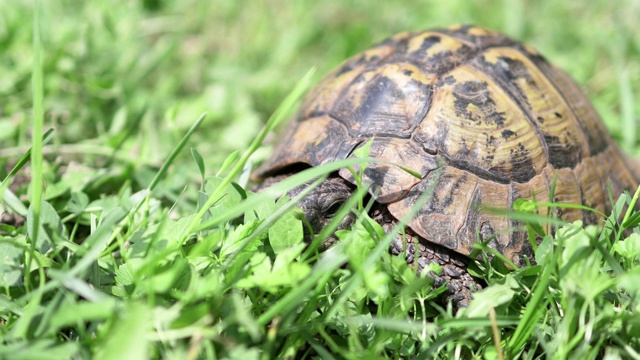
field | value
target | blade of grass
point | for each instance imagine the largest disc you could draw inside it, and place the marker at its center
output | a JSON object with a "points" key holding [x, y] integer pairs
{"points": [[534, 311], [228, 162], [329, 262], [174, 153], [31, 309], [571, 206], [525, 217], [478, 322], [627, 111], [36, 144], [403, 326], [14, 203], [632, 205]]}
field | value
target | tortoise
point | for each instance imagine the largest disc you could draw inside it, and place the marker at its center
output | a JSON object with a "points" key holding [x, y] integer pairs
{"points": [[483, 119]]}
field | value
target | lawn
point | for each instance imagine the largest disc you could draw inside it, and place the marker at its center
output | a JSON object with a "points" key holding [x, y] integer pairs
{"points": [[137, 124]]}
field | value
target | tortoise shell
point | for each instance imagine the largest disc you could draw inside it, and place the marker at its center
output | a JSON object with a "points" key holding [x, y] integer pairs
{"points": [[483, 119]]}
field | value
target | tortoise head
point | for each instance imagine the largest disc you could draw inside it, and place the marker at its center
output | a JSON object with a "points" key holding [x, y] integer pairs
{"points": [[322, 204]]}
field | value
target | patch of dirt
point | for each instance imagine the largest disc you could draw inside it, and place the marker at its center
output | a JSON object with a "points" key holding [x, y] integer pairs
{"points": [[11, 219]]}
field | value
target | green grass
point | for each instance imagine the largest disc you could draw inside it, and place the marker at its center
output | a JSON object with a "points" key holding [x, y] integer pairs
{"points": [[141, 242]]}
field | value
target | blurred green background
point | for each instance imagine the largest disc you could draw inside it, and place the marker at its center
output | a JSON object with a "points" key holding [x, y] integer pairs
{"points": [[123, 82], [134, 75]]}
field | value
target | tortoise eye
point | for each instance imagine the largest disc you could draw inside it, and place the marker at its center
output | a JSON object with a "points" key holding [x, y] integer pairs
{"points": [[333, 209]]}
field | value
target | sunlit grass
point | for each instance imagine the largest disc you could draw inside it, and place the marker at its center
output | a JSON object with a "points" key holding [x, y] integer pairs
{"points": [[145, 249]]}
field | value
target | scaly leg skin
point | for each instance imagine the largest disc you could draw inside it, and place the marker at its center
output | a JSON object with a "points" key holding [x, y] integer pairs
{"points": [[460, 284]]}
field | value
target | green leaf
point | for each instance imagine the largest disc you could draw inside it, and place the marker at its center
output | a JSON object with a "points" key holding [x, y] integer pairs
{"points": [[360, 242], [629, 282], [287, 257], [162, 279], [173, 231], [629, 247], [41, 261], [544, 250], [287, 231], [40, 349], [77, 203], [230, 195], [50, 225], [245, 353], [174, 153], [575, 238], [632, 221], [127, 338], [234, 241], [413, 173], [199, 162], [69, 314], [492, 297], [10, 264], [364, 150], [12, 201], [260, 211], [631, 209], [525, 205], [286, 270], [228, 162]]}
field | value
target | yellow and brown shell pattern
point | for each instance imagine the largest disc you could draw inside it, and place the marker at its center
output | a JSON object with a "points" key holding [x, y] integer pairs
{"points": [[491, 115]]}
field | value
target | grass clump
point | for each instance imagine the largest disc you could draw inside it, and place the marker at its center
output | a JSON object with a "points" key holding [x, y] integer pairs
{"points": [[117, 241]]}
